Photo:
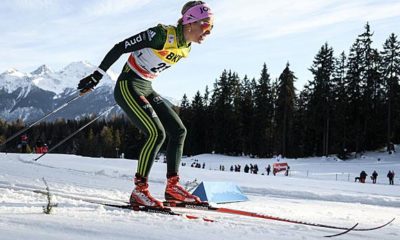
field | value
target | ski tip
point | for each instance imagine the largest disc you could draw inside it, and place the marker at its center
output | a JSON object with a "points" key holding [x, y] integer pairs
{"points": [[342, 233], [389, 222], [375, 228]]}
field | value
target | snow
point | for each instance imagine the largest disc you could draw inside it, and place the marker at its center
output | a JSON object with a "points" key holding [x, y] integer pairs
{"points": [[44, 78], [13, 79], [66, 78], [320, 190]]}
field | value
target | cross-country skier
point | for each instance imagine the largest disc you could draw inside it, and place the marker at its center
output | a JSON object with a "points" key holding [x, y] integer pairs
{"points": [[151, 52]]}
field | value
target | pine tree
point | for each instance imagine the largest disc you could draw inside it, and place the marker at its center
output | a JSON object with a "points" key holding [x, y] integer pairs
{"points": [[208, 122], [303, 128], [106, 142], [88, 148], [246, 116], [372, 95], [340, 106], [354, 94], [321, 97], [236, 126], [117, 141], [185, 102], [390, 69], [285, 110], [197, 128], [221, 101], [186, 117], [3, 131], [263, 114]]}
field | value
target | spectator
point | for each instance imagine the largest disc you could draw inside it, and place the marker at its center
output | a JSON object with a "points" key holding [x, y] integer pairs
{"points": [[23, 145], [41, 147], [374, 177], [246, 168], [363, 176], [268, 169], [390, 175], [390, 148], [255, 169], [287, 171]]}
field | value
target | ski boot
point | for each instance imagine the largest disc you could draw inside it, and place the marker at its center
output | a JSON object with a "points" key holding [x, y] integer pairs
{"points": [[141, 196], [174, 192]]}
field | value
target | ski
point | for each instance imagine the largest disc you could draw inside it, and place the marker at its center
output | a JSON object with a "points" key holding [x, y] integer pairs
{"points": [[203, 206], [123, 205], [207, 207], [168, 211], [147, 209], [342, 233]]}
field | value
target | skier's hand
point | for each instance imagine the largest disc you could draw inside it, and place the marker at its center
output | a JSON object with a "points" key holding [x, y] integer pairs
{"points": [[88, 83]]}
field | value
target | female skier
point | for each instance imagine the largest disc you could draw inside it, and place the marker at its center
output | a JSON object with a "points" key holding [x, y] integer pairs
{"points": [[151, 52]]}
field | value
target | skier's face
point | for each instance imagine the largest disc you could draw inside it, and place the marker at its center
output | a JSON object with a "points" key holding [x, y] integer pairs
{"points": [[197, 31]]}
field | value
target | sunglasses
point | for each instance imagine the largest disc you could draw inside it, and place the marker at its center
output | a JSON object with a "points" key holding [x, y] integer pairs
{"points": [[206, 26]]}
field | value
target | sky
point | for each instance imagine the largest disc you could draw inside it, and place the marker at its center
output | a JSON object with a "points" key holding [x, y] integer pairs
{"points": [[246, 34]]}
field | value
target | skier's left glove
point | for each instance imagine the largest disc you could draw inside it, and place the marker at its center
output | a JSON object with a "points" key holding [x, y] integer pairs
{"points": [[88, 83]]}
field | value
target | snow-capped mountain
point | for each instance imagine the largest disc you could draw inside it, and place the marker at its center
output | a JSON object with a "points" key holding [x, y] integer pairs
{"points": [[29, 96]]}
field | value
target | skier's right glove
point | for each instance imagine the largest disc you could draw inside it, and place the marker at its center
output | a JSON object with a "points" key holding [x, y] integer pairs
{"points": [[88, 83]]}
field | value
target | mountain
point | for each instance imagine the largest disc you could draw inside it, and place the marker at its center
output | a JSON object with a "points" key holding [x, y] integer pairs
{"points": [[29, 96]]}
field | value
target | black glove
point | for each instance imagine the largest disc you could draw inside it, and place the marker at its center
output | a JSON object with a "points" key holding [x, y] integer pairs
{"points": [[88, 83]]}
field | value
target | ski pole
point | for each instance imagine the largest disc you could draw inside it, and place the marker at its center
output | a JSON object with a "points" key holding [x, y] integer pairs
{"points": [[77, 131], [41, 119]]}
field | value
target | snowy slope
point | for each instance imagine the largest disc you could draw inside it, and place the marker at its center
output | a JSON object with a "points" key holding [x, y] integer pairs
{"points": [[318, 197]]}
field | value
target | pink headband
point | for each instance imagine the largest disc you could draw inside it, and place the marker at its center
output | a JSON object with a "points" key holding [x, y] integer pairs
{"points": [[196, 13]]}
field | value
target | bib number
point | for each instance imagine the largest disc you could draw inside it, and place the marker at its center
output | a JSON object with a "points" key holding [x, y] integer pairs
{"points": [[161, 67]]}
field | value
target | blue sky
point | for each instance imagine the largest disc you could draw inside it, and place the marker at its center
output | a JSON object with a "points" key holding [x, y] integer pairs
{"points": [[246, 34]]}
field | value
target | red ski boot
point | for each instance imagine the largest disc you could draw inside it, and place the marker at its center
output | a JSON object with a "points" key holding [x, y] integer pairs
{"points": [[141, 196], [174, 192]]}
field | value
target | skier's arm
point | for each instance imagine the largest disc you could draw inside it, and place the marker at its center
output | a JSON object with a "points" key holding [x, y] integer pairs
{"points": [[152, 38]]}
